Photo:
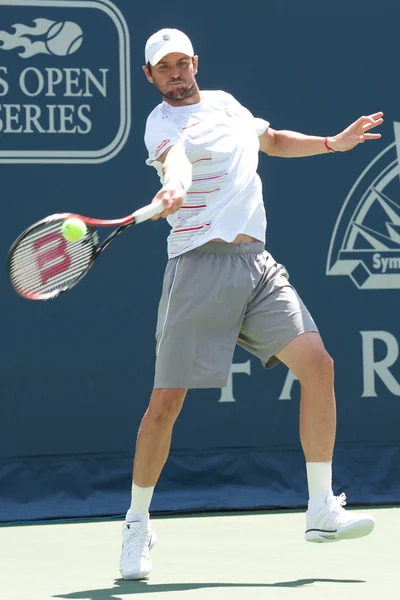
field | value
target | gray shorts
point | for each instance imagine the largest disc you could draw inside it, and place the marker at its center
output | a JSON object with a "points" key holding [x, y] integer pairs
{"points": [[215, 297]]}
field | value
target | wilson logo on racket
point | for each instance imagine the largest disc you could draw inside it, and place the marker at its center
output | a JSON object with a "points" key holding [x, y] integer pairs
{"points": [[365, 244], [51, 256]]}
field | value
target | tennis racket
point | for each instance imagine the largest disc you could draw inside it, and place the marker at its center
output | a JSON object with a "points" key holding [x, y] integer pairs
{"points": [[42, 264]]}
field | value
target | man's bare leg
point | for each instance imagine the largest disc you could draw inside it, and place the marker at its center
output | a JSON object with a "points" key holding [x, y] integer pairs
{"points": [[326, 519], [307, 358], [152, 448]]}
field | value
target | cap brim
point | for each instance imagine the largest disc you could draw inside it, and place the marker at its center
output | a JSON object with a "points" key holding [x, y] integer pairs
{"points": [[168, 50]]}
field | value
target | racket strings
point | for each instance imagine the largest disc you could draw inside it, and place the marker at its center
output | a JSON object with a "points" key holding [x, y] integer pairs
{"points": [[43, 262]]}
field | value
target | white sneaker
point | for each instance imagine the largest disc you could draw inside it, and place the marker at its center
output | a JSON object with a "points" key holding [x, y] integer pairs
{"points": [[332, 523], [137, 540]]}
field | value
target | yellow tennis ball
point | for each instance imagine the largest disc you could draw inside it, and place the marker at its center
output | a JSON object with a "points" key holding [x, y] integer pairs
{"points": [[73, 230]]}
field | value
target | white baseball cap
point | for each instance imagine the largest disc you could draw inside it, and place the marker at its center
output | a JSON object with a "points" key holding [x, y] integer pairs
{"points": [[164, 42]]}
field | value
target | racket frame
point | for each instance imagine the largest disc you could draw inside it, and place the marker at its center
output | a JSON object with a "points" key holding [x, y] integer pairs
{"points": [[142, 214]]}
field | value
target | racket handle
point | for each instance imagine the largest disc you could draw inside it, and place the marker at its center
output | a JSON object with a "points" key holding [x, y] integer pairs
{"points": [[149, 211]]}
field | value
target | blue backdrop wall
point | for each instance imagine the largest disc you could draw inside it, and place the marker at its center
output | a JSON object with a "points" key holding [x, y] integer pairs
{"points": [[76, 373]]}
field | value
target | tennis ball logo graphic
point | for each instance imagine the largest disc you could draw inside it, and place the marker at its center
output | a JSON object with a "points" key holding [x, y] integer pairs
{"points": [[64, 38]]}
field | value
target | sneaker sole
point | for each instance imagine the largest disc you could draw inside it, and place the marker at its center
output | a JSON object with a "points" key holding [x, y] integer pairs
{"points": [[135, 576], [352, 531]]}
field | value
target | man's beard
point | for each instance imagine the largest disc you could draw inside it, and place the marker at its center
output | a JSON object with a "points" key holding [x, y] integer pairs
{"points": [[179, 93]]}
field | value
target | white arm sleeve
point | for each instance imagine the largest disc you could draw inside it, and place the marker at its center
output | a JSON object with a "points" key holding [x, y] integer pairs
{"points": [[261, 125], [158, 137]]}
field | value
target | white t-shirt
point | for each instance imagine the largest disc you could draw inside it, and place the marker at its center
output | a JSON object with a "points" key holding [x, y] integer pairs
{"points": [[220, 138]]}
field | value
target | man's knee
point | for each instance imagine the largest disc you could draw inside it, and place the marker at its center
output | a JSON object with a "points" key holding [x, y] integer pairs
{"points": [[307, 357], [319, 368], [166, 404]]}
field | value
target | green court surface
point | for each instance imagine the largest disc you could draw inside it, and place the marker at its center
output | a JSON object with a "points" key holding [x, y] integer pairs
{"points": [[232, 556]]}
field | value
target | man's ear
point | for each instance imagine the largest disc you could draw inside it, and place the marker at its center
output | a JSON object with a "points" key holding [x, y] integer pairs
{"points": [[148, 74]]}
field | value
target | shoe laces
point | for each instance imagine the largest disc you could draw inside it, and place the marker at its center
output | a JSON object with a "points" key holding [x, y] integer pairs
{"points": [[336, 503], [137, 541]]}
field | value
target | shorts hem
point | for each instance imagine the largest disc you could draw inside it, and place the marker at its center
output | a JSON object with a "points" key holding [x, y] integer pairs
{"points": [[272, 360], [189, 386]]}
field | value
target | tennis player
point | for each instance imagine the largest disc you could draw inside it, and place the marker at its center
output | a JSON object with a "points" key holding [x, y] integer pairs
{"points": [[221, 287]]}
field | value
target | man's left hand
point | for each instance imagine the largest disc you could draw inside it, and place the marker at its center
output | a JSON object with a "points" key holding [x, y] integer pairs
{"points": [[356, 133]]}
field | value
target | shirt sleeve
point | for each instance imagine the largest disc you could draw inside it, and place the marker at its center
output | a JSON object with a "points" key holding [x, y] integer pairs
{"points": [[260, 125], [158, 137]]}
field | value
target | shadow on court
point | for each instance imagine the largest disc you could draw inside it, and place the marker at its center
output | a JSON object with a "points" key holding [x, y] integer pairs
{"points": [[143, 587]]}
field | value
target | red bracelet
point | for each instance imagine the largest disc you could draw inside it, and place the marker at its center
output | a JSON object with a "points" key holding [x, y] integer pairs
{"points": [[328, 147]]}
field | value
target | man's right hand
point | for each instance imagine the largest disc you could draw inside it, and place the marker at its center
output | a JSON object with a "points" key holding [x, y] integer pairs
{"points": [[173, 196]]}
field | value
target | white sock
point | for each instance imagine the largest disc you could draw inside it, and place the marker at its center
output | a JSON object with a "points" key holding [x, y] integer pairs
{"points": [[319, 477], [140, 504]]}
